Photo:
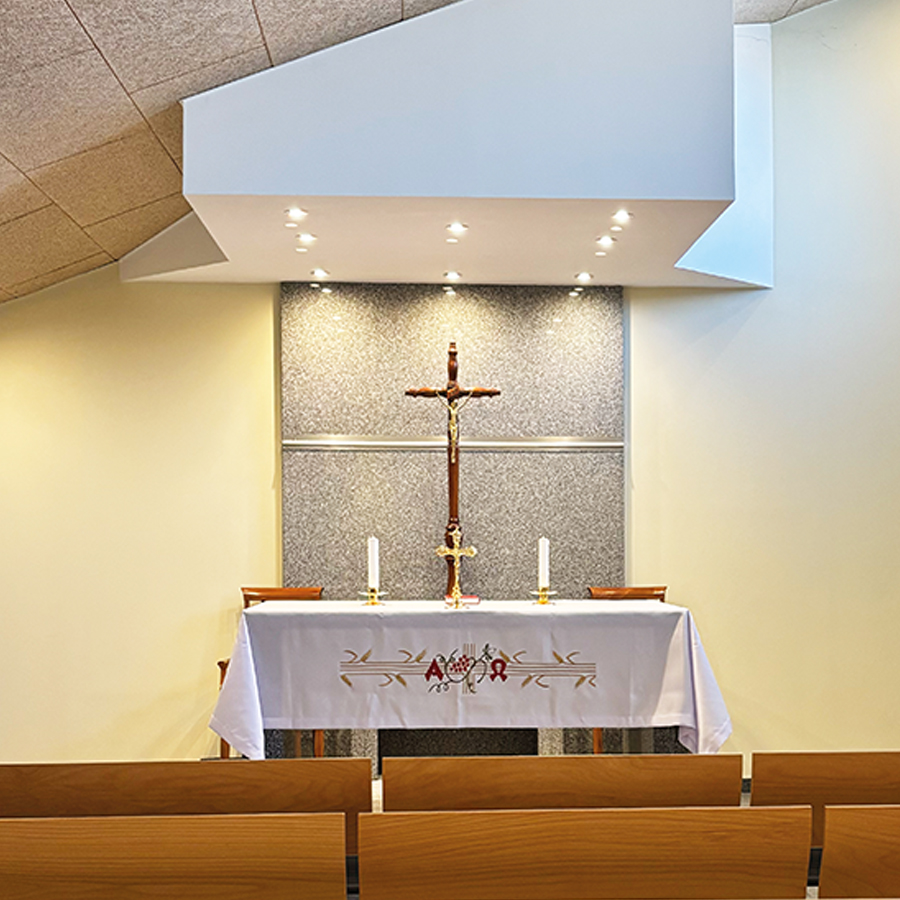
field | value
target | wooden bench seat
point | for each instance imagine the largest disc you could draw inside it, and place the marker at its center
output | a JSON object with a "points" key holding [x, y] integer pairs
{"points": [[818, 779], [581, 854], [224, 857], [532, 782], [65, 790]]}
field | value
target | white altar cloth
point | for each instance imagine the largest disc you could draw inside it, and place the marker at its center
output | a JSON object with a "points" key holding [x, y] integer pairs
{"points": [[500, 664]]}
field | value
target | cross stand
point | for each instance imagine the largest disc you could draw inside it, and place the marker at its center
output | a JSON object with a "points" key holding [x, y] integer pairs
{"points": [[454, 398]]}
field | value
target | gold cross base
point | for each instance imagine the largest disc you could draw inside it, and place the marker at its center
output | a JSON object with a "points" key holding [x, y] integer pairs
{"points": [[543, 596]]}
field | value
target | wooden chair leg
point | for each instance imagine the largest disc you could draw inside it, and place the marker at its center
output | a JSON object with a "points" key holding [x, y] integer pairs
{"points": [[598, 740], [318, 742]]}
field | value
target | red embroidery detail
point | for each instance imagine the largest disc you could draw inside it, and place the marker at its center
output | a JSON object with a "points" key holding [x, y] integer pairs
{"points": [[434, 669], [498, 669]]}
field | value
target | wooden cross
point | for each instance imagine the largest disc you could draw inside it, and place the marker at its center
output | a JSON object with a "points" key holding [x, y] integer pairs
{"points": [[454, 398]]}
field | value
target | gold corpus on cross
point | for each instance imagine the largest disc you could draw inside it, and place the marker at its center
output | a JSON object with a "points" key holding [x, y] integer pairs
{"points": [[454, 553], [454, 398]]}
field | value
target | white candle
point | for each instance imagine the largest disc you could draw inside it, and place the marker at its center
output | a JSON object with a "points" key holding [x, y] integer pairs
{"points": [[543, 563], [373, 563]]}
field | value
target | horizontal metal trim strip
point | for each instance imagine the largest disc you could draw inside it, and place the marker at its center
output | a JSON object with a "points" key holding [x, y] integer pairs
{"points": [[439, 443]]}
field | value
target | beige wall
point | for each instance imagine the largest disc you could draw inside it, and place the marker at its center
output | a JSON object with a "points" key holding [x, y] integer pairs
{"points": [[138, 490], [765, 425]]}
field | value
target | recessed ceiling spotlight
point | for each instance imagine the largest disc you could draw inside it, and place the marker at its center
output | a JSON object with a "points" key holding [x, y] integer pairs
{"points": [[606, 241], [452, 240], [457, 228], [578, 290], [314, 284], [319, 273], [296, 214], [326, 290], [291, 225], [307, 238], [452, 276], [623, 217], [450, 293], [302, 249], [616, 228], [571, 294], [584, 277], [600, 253]]}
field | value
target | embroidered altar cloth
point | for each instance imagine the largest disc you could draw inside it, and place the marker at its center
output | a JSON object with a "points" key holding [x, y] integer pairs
{"points": [[500, 664]]}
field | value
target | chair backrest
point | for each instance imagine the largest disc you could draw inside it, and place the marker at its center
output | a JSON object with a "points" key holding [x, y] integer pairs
{"points": [[534, 782], [226, 857], [576, 854], [860, 857], [259, 595], [628, 593], [188, 788], [825, 778]]}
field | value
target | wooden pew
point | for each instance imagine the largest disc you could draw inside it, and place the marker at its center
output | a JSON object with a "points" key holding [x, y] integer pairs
{"points": [[585, 854], [818, 779], [183, 788], [861, 856], [225, 857], [533, 782]]}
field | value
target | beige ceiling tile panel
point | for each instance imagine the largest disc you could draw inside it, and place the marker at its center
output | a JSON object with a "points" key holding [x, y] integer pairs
{"points": [[60, 109], [112, 178], [147, 41], [747, 11], [800, 5], [34, 32], [125, 232], [167, 126], [154, 99], [417, 7], [41, 242], [58, 275], [18, 196], [294, 28]]}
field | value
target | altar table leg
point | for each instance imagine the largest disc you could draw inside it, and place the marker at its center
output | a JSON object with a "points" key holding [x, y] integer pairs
{"points": [[598, 740], [318, 742]]}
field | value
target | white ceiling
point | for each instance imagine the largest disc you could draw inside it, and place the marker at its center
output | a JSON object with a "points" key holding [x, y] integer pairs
{"points": [[90, 121]]}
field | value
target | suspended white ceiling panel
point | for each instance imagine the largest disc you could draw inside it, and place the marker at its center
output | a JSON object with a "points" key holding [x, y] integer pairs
{"points": [[531, 121]]}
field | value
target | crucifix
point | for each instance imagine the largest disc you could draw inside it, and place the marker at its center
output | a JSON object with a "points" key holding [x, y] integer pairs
{"points": [[454, 399]]}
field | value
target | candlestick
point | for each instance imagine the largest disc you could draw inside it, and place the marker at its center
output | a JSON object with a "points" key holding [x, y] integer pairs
{"points": [[373, 564], [543, 563]]}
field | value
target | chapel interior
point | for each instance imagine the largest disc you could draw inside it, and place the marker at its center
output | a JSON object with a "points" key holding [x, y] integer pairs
{"points": [[235, 235]]}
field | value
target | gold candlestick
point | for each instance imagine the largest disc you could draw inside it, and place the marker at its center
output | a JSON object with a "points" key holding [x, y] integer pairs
{"points": [[543, 595], [372, 595]]}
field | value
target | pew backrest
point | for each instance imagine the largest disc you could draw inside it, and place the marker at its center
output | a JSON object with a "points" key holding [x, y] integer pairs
{"points": [[861, 853], [818, 779], [226, 857], [585, 854], [533, 782], [212, 787]]}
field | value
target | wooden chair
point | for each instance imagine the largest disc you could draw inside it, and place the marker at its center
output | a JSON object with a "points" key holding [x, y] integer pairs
{"points": [[253, 595], [821, 779], [534, 782], [861, 856], [66, 790], [622, 593], [585, 854], [226, 857]]}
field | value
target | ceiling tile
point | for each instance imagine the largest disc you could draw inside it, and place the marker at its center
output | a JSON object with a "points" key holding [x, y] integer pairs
{"points": [[417, 7], [112, 178], [38, 32], [60, 109], [800, 5], [4, 296], [18, 196], [167, 126], [294, 28], [41, 242], [747, 11], [146, 39], [157, 97], [61, 274], [125, 232]]}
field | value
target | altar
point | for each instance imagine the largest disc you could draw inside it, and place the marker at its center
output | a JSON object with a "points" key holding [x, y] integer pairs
{"points": [[499, 664]]}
